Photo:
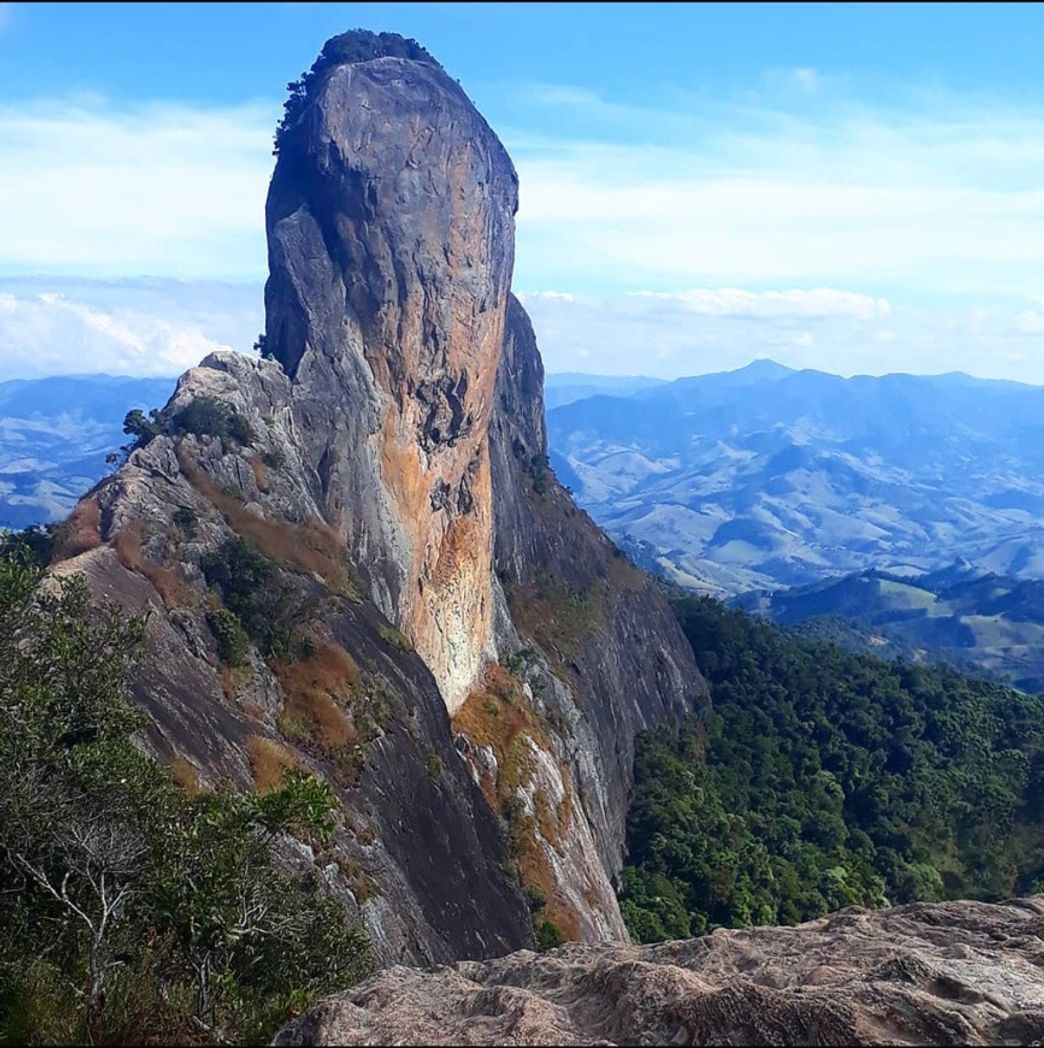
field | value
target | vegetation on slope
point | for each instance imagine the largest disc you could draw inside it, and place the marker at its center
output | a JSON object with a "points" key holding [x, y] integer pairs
{"points": [[135, 910], [823, 779]]}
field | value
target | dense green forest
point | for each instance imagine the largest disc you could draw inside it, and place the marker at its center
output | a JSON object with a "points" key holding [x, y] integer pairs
{"points": [[133, 910], [822, 779]]}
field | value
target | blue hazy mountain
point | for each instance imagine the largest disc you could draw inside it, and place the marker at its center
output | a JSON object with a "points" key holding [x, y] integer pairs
{"points": [[567, 387], [55, 434], [767, 477]]}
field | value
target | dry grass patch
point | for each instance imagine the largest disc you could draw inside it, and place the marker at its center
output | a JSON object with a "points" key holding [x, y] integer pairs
{"points": [[320, 692], [547, 820], [81, 532], [184, 774], [536, 872], [260, 474], [557, 618], [174, 591], [269, 761], [359, 882], [498, 715], [312, 547], [234, 679]]}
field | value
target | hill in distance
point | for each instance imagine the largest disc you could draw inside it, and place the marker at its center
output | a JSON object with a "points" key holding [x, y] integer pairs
{"points": [[55, 434], [766, 477], [973, 619], [568, 387]]}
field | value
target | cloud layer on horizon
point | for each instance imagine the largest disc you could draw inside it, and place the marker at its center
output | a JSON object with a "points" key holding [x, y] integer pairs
{"points": [[793, 222], [53, 326], [705, 330]]}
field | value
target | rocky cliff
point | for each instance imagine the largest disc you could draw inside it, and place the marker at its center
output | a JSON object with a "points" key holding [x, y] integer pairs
{"points": [[356, 560], [953, 973]]}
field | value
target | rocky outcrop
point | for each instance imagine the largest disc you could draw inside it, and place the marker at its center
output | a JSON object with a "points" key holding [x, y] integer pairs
{"points": [[391, 243], [952, 973], [356, 560]]}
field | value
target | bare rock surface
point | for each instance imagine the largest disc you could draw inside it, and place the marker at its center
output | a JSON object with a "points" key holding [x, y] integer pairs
{"points": [[948, 973]]}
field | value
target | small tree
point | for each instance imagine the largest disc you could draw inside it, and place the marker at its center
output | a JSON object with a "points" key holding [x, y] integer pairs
{"points": [[208, 417], [90, 869]]}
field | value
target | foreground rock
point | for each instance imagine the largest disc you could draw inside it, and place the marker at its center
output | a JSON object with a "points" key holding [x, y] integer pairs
{"points": [[950, 973]]}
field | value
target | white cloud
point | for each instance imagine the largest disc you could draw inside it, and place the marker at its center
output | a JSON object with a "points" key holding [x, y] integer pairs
{"points": [[159, 328], [944, 195], [844, 332], [160, 189], [684, 239], [561, 296]]}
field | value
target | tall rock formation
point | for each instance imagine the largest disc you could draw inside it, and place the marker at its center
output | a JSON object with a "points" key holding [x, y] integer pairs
{"points": [[391, 242], [357, 561]]}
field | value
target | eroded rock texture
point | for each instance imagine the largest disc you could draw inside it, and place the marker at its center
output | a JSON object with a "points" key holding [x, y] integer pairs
{"points": [[431, 623], [953, 973]]}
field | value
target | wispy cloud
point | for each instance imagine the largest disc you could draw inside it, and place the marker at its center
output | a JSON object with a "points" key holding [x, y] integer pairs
{"points": [[52, 326], [792, 221], [941, 195], [796, 303], [90, 187]]}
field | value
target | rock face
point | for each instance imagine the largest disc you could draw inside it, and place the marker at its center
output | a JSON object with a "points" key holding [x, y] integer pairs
{"points": [[952, 973], [391, 243], [432, 624]]}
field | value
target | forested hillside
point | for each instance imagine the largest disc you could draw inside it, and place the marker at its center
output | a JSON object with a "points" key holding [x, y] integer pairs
{"points": [[823, 779]]}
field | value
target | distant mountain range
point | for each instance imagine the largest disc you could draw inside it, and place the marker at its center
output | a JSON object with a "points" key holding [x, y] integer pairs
{"points": [[55, 434], [766, 477], [568, 387], [978, 621], [834, 505]]}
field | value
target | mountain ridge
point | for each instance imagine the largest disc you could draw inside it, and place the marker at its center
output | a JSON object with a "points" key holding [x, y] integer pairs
{"points": [[980, 621]]}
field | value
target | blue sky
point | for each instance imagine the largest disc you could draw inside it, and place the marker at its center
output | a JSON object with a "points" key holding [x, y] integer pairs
{"points": [[853, 187]]}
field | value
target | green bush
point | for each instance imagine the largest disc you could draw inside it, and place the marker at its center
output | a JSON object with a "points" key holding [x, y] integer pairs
{"points": [[357, 45], [540, 472], [548, 936], [252, 588], [433, 763], [233, 645], [207, 417], [186, 521], [395, 638], [35, 542]]}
